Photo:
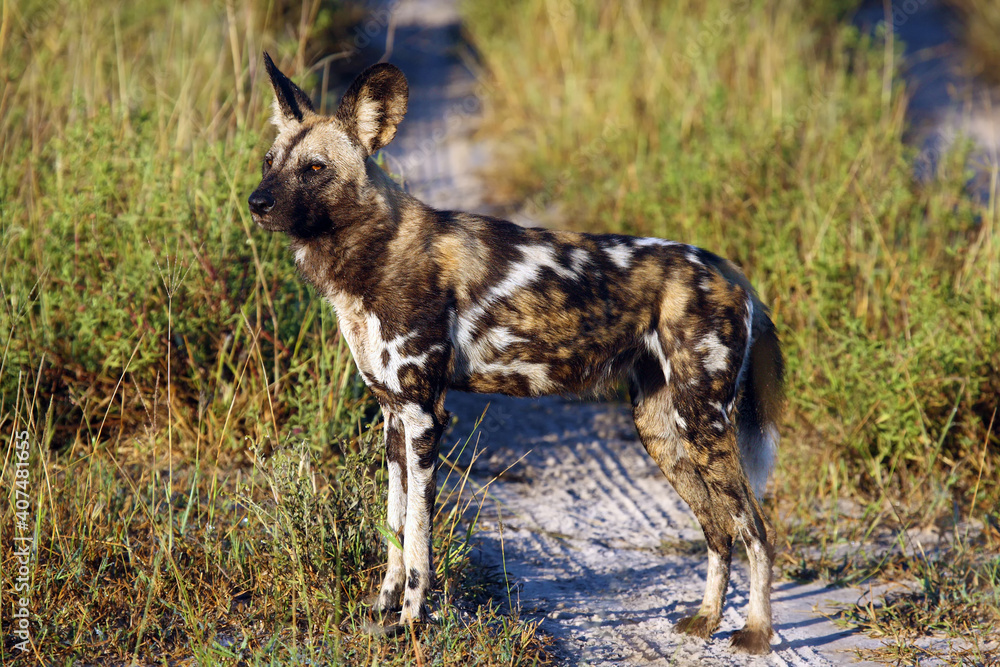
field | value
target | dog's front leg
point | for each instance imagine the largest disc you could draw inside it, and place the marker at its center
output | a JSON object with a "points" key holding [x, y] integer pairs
{"points": [[391, 593], [422, 430]]}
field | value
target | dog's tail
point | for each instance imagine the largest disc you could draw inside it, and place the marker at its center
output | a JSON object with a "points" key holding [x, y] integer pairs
{"points": [[762, 402], [762, 399]]}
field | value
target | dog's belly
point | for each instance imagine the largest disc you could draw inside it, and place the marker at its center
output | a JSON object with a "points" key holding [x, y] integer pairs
{"points": [[501, 361]]}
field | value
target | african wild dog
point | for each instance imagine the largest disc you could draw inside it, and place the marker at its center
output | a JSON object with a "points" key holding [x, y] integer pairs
{"points": [[435, 300]]}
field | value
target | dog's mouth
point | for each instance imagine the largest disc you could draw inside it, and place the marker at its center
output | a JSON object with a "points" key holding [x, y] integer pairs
{"points": [[265, 222]]}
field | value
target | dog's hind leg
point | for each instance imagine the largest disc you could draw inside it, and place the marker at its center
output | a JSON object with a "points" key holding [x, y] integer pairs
{"points": [[685, 394], [757, 535], [706, 473], [720, 495], [655, 421]]}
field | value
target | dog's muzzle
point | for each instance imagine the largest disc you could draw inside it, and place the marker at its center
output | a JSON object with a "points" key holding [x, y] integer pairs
{"points": [[261, 202]]}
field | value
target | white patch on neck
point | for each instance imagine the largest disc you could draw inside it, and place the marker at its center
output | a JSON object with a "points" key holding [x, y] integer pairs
{"points": [[301, 254], [351, 320]]}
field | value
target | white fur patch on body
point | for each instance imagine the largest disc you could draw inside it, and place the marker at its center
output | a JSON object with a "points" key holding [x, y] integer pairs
{"points": [[620, 254], [521, 274], [681, 424], [478, 356], [716, 354], [646, 241], [388, 372], [579, 258], [534, 258], [652, 341], [363, 332]]}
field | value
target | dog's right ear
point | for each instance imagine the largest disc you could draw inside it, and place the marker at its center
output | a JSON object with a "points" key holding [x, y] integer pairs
{"points": [[291, 105], [374, 105]]}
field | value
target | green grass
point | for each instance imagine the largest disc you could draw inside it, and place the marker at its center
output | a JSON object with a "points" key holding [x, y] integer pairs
{"points": [[771, 134], [204, 481]]}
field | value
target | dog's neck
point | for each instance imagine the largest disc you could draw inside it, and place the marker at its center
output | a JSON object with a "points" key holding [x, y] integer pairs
{"points": [[352, 256]]}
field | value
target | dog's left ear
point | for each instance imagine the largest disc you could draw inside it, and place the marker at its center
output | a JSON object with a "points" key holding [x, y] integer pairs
{"points": [[291, 105], [374, 105]]}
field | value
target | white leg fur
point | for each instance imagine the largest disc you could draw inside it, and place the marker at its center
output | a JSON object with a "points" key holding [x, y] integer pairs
{"points": [[395, 576], [759, 614], [715, 586], [417, 538], [391, 592]]}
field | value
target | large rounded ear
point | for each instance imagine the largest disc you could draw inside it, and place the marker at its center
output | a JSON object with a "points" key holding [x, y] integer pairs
{"points": [[374, 105], [291, 105]]}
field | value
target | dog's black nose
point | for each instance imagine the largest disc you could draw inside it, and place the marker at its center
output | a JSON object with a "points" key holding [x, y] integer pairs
{"points": [[261, 202]]}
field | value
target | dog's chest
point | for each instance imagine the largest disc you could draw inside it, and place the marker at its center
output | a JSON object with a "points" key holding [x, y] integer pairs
{"points": [[363, 334], [351, 317], [385, 364]]}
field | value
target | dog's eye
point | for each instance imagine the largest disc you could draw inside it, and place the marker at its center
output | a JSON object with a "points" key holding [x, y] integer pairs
{"points": [[317, 167]]}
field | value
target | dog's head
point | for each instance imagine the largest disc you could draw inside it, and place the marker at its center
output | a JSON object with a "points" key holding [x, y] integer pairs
{"points": [[315, 174]]}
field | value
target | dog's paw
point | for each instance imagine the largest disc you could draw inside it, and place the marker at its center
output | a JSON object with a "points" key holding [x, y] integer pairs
{"points": [[413, 612], [755, 642], [698, 625], [388, 600]]}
